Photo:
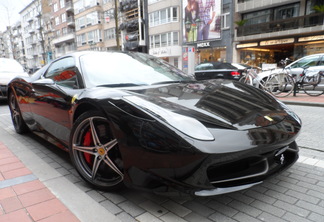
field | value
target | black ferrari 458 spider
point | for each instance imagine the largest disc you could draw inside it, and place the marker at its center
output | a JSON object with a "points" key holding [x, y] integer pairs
{"points": [[132, 119]]}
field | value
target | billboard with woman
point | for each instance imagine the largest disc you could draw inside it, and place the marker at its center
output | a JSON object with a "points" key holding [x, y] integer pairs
{"points": [[201, 20]]}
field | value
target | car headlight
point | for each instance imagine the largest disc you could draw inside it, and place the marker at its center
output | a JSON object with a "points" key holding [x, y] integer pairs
{"points": [[187, 125]]}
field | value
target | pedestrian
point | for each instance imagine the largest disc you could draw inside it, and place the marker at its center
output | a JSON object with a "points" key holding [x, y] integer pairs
{"points": [[191, 16]]}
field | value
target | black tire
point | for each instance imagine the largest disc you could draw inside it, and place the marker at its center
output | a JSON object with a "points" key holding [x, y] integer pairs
{"points": [[310, 85], [16, 117], [95, 153]]}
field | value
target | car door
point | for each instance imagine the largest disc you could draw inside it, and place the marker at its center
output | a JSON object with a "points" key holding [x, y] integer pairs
{"points": [[53, 95]]}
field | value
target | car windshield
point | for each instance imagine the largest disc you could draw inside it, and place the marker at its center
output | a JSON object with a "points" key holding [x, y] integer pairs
{"points": [[10, 65], [129, 69]]}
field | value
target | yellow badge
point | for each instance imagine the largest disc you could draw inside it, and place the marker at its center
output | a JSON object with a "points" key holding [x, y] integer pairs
{"points": [[74, 98], [268, 118]]}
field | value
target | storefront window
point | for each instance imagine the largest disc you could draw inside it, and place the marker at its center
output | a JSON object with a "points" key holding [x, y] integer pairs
{"points": [[211, 55], [257, 57]]}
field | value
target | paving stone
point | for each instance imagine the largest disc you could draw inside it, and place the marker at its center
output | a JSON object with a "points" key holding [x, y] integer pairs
{"points": [[294, 218], [293, 187], [176, 208], [131, 208], [221, 208], [221, 217], [111, 207], [241, 197], [282, 197], [147, 217], [114, 197], [94, 194], [268, 208], [170, 217], [292, 208], [303, 196], [261, 197], [311, 207], [311, 186], [316, 217], [305, 179], [124, 217], [245, 218], [153, 208], [274, 187], [194, 217], [199, 208], [250, 210], [270, 218]]}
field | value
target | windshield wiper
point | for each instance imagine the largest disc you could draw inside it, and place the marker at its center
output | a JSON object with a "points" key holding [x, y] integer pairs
{"points": [[121, 85]]}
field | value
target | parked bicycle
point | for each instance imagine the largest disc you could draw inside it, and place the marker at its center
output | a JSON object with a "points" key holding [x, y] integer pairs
{"points": [[310, 81], [278, 84]]}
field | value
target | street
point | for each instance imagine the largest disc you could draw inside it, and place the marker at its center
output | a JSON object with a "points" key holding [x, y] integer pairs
{"points": [[295, 195]]}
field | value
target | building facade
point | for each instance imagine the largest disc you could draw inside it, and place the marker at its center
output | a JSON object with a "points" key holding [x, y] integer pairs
{"points": [[35, 24], [63, 26], [268, 31]]}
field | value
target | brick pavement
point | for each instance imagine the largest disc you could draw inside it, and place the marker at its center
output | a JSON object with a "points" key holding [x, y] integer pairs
{"points": [[295, 195], [23, 197]]}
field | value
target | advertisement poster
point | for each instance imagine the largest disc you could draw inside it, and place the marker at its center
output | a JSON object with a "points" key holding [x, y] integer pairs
{"points": [[201, 20]]}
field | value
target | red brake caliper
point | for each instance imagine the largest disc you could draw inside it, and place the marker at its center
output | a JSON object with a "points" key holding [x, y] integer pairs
{"points": [[87, 142]]}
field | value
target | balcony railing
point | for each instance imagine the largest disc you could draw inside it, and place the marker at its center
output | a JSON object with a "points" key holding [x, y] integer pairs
{"points": [[281, 25]]}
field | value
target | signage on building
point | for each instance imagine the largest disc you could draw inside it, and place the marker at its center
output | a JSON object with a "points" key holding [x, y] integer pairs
{"points": [[161, 52], [277, 42], [311, 38], [246, 45], [203, 45]]}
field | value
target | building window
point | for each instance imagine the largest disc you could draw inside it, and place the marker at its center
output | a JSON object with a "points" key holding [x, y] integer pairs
{"points": [[81, 39], [63, 17], [55, 7], [64, 31], [287, 11], [110, 34], [164, 40], [163, 16], [57, 20], [62, 3]]}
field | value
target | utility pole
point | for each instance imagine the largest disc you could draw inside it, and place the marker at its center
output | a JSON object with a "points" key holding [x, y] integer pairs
{"points": [[116, 24]]}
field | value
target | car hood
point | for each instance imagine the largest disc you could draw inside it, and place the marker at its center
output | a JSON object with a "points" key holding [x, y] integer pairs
{"points": [[215, 103]]}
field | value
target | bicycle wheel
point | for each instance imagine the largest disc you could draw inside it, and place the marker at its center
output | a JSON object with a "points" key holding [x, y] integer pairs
{"points": [[246, 79], [280, 84], [311, 85]]}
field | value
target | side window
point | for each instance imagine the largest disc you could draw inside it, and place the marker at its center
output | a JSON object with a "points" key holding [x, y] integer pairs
{"points": [[321, 63], [307, 62], [64, 73]]}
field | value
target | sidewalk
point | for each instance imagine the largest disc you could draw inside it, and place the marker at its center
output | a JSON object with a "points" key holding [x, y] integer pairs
{"points": [[23, 197], [303, 99]]}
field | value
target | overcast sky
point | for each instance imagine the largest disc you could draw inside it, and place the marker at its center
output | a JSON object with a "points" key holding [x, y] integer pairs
{"points": [[9, 12]]}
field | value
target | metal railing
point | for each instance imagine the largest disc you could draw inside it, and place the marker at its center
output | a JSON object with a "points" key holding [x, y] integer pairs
{"points": [[281, 25]]}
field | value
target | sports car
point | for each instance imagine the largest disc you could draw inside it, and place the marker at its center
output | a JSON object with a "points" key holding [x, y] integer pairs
{"points": [[128, 118]]}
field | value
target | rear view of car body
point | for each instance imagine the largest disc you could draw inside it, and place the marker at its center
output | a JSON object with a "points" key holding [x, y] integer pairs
{"points": [[217, 70]]}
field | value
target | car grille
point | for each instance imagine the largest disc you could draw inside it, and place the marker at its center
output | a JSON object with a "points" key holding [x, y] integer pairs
{"points": [[252, 169]]}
